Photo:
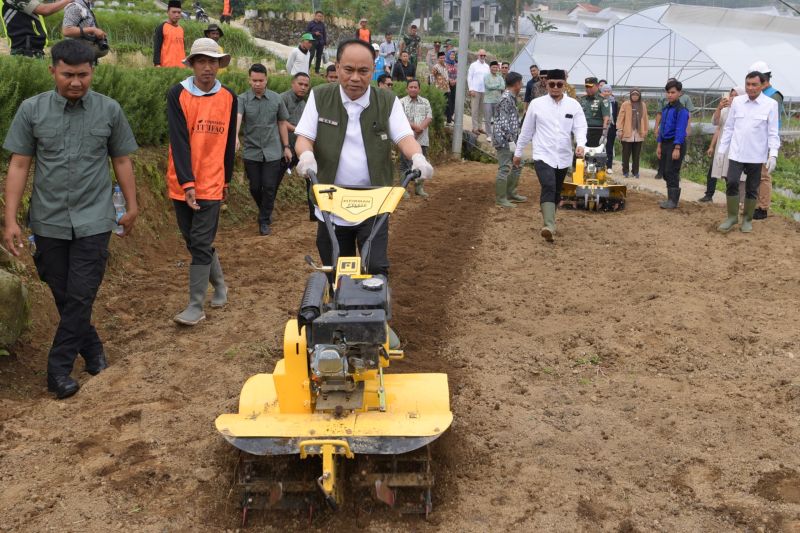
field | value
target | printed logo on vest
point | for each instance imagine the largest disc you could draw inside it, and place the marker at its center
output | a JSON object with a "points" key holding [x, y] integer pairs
{"points": [[328, 121], [216, 127], [356, 204]]}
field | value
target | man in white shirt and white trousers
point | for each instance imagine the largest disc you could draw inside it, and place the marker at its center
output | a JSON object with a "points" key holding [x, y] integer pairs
{"points": [[475, 76], [751, 133], [550, 122]]}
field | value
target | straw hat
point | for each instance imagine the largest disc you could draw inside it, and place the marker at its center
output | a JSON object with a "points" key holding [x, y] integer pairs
{"points": [[209, 48]]}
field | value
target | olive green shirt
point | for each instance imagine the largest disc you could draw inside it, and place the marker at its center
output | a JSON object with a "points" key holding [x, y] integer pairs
{"points": [[295, 107], [260, 116], [595, 108], [71, 142]]}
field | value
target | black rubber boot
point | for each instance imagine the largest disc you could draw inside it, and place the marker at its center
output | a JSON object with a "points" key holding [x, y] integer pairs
{"points": [[673, 196]]}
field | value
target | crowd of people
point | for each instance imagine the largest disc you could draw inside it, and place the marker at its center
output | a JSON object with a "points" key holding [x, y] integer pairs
{"points": [[344, 131]]}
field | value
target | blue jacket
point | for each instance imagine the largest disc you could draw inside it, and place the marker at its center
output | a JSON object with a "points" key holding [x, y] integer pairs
{"points": [[674, 120]]}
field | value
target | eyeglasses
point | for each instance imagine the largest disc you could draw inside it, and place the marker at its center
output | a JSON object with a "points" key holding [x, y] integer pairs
{"points": [[554, 84], [482, 55]]}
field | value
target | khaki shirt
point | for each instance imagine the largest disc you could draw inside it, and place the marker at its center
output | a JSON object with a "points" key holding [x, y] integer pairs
{"points": [[295, 107], [72, 143], [260, 116]]}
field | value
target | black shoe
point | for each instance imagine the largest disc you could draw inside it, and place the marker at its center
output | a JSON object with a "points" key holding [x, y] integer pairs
{"points": [[707, 198], [96, 364], [759, 214], [263, 228], [63, 386], [659, 176]]}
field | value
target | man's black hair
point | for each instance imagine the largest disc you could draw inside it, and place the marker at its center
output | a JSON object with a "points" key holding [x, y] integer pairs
{"points": [[673, 84], [413, 80], [383, 77], [493, 63], [331, 68], [300, 74], [505, 63], [602, 81], [512, 78], [413, 26], [258, 68], [440, 54], [318, 12], [349, 42], [533, 66], [72, 52], [756, 74]]}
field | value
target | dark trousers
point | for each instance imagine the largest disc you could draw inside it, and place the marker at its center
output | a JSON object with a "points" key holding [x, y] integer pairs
{"points": [[551, 179], [711, 183], [351, 236], [593, 135], [74, 270], [612, 136], [450, 109], [265, 177], [198, 228], [753, 173], [316, 51], [672, 167], [631, 151]]}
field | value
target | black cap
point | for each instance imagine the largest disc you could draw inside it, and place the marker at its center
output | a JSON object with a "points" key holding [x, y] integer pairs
{"points": [[544, 73], [590, 81], [213, 27], [556, 74], [174, 3]]}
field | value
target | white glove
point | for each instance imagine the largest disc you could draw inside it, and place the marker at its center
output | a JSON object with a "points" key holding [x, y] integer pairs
{"points": [[512, 146], [418, 162], [305, 163], [602, 141], [771, 163]]}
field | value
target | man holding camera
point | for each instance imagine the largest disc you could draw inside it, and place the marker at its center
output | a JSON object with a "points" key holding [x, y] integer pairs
{"points": [[80, 23]]}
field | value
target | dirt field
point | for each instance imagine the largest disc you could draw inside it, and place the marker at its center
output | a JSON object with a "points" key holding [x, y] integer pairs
{"points": [[641, 374]]}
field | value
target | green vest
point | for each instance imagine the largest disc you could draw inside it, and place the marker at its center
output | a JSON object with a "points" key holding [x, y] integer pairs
{"points": [[332, 126]]}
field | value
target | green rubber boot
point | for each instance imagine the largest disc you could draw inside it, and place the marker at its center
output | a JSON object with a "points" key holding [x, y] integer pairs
{"points": [[198, 285], [501, 194], [513, 181], [419, 191], [733, 215], [549, 217], [747, 219], [217, 280]]}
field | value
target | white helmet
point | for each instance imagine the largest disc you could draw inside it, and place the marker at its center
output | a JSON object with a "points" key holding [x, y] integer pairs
{"points": [[760, 66], [376, 47]]}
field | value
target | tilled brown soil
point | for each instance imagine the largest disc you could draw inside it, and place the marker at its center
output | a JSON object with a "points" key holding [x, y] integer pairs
{"points": [[638, 375]]}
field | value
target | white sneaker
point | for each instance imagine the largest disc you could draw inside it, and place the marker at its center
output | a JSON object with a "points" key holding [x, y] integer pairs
{"points": [[609, 172]]}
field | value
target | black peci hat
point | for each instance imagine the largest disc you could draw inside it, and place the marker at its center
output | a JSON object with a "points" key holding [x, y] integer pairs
{"points": [[557, 74]]}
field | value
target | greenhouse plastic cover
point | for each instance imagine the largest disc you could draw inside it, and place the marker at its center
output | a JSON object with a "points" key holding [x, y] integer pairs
{"points": [[704, 47]]}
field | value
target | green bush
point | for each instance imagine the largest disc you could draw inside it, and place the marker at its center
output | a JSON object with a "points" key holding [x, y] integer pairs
{"points": [[128, 31]]}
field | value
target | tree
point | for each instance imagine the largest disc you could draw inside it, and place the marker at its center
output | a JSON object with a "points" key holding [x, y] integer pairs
{"points": [[541, 25], [436, 26]]}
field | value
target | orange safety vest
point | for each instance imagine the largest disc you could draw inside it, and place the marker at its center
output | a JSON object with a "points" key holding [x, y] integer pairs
{"points": [[207, 120], [173, 50], [226, 8]]}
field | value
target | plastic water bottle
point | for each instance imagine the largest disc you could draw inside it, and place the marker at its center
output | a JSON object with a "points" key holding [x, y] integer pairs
{"points": [[119, 207], [32, 244]]}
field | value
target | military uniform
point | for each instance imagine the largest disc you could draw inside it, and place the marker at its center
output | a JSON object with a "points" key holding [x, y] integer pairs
{"points": [[596, 109]]}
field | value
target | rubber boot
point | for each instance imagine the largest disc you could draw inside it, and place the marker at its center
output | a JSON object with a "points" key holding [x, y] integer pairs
{"points": [[419, 191], [511, 194], [733, 214], [549, 218], [198, 285], [673, 196], [394, 340], [217, 280], [501, 194], [747, 219]]}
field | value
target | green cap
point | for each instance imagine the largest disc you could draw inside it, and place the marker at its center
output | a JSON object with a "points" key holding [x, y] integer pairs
{"points": [[307, 37]]}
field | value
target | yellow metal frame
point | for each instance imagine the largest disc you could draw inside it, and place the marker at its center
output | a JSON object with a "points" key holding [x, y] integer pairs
{"points": [[328, 448], [357, 205]]}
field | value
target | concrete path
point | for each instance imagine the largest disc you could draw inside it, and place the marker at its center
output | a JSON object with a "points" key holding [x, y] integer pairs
{"points": [[280, 50]]}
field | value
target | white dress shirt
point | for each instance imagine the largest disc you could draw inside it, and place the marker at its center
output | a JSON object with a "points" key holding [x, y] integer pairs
{"points": [[352, 170], [549, 124], [751, 130], [477, 71]]}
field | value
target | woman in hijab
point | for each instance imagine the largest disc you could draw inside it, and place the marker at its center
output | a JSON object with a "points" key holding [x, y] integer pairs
{"points": [[632, 125], [452, 74], [719, 165]]}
